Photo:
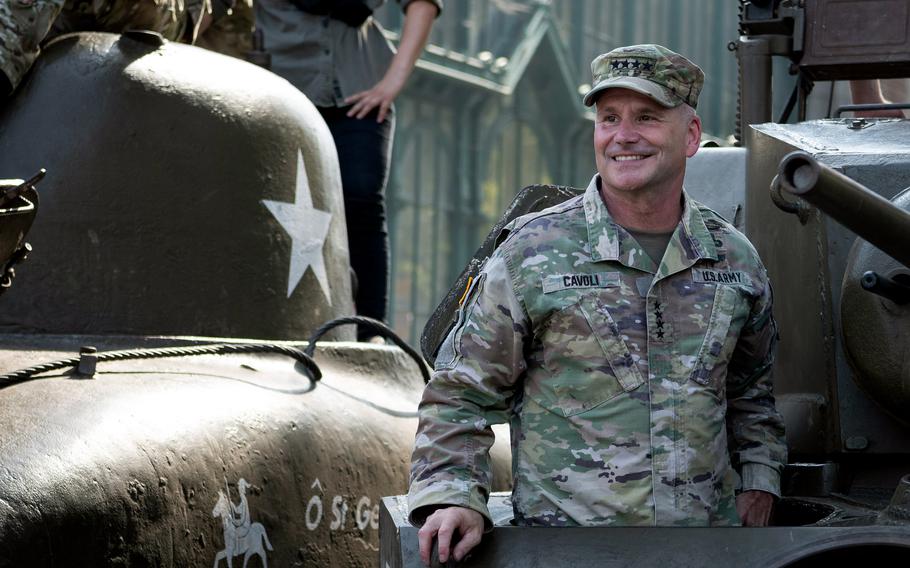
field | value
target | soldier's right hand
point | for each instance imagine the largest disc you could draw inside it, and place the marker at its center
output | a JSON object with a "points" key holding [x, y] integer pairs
{"points": [[442, 524]]}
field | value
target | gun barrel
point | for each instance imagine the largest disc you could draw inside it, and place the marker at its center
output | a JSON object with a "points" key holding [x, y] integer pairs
{"points": [[851, 204]]}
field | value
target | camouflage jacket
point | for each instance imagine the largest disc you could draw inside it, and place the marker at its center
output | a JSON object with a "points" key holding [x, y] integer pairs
{"points": [[630, 387], [24, 24]]}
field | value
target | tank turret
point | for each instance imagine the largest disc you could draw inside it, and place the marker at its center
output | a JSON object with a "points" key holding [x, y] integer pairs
{"points": [[190, 195]]}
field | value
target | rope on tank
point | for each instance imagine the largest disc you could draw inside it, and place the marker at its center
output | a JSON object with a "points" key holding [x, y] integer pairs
{"points": [[377, 326], [305, 357], [214, 349]]}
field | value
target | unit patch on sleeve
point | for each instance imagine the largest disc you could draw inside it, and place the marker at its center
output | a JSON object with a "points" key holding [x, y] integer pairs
{"points": [[730, 277], [557, 282]]}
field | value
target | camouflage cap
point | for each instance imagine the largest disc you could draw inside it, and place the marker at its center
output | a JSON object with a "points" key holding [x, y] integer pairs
{"points": [[653, 70]]}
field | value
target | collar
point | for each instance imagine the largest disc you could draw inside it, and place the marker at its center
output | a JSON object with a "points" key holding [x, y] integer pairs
{"points": [[608, 241]]}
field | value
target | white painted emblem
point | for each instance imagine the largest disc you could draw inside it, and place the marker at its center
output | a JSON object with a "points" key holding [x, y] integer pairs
{"points": [[240, 535], [307, 227]]}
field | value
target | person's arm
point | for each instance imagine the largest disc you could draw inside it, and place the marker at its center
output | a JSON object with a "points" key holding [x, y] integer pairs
{"points": [[419, 16], [472, 387], [755, 426], [22, 28], [869, 91]]}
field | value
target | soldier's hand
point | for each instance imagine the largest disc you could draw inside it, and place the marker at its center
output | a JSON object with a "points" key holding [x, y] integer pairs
{"points": [[754, 508], [442, 524]]}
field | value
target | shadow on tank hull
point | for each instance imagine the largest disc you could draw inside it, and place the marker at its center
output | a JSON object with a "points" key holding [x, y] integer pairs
{"points": [[191, 199]]}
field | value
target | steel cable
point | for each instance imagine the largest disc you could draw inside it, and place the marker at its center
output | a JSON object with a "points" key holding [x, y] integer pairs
{"points": [[306, 359], [380, 328]]}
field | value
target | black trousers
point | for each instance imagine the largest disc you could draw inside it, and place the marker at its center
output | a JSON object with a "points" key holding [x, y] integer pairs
{"points": [[364, 153]]}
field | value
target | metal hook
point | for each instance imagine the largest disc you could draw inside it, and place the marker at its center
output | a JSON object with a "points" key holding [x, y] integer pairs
{"points": [[797, 208]]}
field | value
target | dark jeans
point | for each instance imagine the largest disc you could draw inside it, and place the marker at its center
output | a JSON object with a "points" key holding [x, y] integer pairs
{"points": [[364, 152]]}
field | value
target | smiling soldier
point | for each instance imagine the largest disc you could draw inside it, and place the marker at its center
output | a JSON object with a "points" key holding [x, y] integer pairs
{"points": [[625, 334]]}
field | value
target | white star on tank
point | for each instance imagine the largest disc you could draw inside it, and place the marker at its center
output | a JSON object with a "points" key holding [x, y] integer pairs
{"points": [[307, 228]]}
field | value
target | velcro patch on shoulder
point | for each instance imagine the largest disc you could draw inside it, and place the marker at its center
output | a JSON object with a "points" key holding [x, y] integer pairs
{"points": [[557, 282], [728, 277]]}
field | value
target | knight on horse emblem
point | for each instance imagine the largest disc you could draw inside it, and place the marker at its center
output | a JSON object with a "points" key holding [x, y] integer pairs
{"points": [[240, 535]]}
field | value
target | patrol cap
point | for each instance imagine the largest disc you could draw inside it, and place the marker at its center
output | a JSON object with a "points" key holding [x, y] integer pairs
{"points": [[653, 70]]}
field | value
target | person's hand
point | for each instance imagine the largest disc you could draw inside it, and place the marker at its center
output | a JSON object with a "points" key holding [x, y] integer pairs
{"points": [[382, 95], [443, 523], [754, 508], [418, 20]]}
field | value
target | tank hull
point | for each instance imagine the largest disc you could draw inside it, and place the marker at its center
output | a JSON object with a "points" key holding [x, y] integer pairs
{"points": [[139, 466]]}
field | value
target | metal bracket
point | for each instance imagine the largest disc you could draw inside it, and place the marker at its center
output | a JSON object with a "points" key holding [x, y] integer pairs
{"points": [[88, 362]]}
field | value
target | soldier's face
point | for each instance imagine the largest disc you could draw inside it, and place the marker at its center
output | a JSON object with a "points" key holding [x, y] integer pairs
{"points": [[641, 146]]}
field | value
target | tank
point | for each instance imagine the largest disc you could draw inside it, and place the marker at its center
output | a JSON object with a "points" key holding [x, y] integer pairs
{"points": [[159, 402]]}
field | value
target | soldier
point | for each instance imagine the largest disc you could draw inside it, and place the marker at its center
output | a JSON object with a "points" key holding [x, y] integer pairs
{"points": [[24, 24], [627, 336]]}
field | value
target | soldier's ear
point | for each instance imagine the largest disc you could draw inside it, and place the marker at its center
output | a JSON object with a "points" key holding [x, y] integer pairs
{"points": [[693, 135]]}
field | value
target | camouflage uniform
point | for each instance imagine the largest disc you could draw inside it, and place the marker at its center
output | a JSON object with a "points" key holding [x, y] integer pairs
{"points": [[231, 34], [24, 24], [628, 385]]}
